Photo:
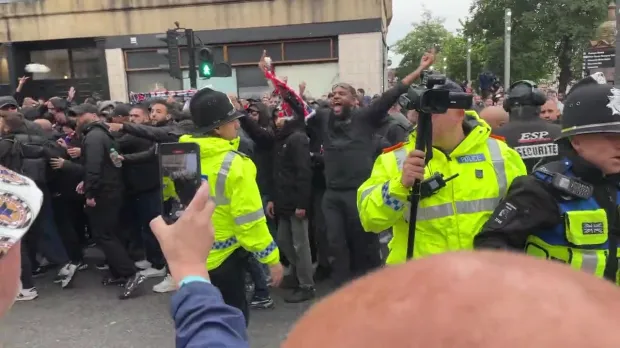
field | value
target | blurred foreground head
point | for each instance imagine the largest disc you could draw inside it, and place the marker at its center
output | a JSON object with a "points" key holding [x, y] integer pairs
{"points": [[467, 299]]}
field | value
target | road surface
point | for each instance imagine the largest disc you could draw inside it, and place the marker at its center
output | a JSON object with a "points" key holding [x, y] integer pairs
{"points": [[90, 315]]}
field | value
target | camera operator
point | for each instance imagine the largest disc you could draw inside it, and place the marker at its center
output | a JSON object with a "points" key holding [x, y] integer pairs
{"points": [[477, 168], [531, 136]]}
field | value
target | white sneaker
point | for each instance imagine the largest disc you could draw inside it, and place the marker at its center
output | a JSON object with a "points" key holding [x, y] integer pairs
{"points": [[27, 294], [143, 264], [167, 285], [154, 272]]}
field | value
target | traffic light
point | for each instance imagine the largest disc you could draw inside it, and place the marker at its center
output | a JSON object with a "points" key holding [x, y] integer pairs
{"points": [[171, 52], [206, 64]]}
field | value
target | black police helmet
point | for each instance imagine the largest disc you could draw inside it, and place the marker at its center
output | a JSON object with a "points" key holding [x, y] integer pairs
{"points": [[524, 93], [591, 107], [211, 109]]}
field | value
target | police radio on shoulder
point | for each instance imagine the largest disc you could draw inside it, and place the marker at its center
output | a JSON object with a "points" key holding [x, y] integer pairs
{"points": [[572, 186]]}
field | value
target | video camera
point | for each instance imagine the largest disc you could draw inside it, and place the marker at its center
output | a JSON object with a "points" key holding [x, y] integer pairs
{"points": [[426, 99]]}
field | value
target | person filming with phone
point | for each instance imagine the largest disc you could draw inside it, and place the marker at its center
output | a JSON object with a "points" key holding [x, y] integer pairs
{"points": [[239, 218]]}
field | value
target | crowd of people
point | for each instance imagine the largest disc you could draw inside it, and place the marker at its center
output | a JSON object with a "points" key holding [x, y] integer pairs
{"points": [[96, 164], [313, 185]]}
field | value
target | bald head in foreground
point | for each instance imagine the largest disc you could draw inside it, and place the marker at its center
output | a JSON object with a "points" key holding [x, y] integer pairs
{"points": [[466, 299], [495, 116]]}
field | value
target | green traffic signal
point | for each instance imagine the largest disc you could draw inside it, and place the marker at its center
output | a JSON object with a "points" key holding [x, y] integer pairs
{"points": [[205, 69]]}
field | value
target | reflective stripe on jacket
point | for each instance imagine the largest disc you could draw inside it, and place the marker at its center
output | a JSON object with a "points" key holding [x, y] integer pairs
{"points": [[239, 218], [581, 241], [449, 219]]}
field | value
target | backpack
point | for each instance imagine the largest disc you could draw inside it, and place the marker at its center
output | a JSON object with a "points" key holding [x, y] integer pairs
{"points": [[28, 159]]}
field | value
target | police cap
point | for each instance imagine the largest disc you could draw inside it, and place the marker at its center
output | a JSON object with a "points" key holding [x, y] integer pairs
{"points": [[211, 109], [591, 107]]}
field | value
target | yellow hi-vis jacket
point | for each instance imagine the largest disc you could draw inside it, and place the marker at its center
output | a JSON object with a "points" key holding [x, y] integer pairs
{"points": [[449, 219], [168, 190], [239, 219]]}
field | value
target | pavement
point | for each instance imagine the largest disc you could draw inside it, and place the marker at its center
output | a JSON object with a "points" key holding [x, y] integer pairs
{"points": [[90, 315]]}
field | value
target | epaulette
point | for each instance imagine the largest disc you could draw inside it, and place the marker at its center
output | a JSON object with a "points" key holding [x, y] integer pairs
{"points": [[546, 172], [498, 137], [395, 147], [556, 176], [240, 154]]}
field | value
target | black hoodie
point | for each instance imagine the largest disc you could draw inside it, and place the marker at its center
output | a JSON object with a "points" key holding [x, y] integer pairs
{"points": [[262, 134], [101, 178], [292, 170]]}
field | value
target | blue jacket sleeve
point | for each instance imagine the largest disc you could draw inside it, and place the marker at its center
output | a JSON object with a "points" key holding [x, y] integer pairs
{"points": [[202, 319]]}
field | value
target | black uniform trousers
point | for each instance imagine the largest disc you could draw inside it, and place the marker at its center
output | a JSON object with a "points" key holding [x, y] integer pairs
{"points": [[353, 252], [104, 222], [229, 278], [66, 211]]}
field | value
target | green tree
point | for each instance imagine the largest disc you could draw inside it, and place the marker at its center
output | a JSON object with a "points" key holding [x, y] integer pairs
{"points": [[426, 33], [546, 35], [455, 53]]}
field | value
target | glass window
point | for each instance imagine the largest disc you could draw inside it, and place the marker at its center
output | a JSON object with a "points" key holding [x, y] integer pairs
{"points": [[251, 82], [252, 53], [56, 60], [147, 81], [144, 59], [85, 63], [308, 50]]}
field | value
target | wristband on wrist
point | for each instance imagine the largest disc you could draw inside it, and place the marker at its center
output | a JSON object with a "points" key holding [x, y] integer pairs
{"points": [[193, 279]]}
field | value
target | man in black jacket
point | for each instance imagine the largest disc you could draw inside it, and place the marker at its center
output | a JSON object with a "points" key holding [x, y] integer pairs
{"points": [[291, 201], [349, 151], [103, 189], [143, 193]]}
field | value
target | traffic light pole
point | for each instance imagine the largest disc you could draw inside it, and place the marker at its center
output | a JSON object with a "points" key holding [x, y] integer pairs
{"points": [[191, 51]]}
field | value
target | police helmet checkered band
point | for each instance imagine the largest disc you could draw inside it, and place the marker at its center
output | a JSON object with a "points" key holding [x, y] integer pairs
{"points": [[599, 78], [20, 203]]}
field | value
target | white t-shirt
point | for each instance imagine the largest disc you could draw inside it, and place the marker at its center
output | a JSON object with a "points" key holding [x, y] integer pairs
{"points": [[20, 203]]}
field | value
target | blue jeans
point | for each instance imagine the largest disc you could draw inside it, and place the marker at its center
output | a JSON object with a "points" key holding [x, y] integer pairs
{"points": [[49, 243], [147, 206], [261, 289], [258, 271]]}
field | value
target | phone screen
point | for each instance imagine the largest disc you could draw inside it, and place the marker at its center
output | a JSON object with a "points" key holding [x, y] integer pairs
{"points": [[180, 177]]}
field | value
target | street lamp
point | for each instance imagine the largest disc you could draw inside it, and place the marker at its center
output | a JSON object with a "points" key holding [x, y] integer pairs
{"points": [[508, 29], [469, 59]]}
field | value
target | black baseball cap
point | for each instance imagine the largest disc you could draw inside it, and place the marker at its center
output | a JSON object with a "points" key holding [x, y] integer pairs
{"points": [[8, 101]]}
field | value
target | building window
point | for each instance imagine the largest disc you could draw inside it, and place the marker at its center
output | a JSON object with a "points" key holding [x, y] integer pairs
{"points": [[57, 60], [85, 63], [307, 50], [251, 82], [148, 81], [244, 54]]}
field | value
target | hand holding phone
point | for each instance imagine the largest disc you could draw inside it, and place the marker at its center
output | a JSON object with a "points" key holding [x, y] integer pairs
{"points": [[180, 177]]}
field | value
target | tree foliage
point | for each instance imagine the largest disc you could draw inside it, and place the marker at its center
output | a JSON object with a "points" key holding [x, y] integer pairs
{"points": [[426, 33], [546, 35]]}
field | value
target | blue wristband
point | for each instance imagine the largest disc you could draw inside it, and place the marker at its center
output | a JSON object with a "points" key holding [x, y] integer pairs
{"points": [[193, 279]]}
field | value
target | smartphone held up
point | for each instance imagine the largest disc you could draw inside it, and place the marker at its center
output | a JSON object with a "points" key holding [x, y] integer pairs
{"points": [[180, 177]]}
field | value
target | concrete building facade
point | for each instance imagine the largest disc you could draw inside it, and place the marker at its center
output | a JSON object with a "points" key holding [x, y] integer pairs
{"points": [[110, 47]]}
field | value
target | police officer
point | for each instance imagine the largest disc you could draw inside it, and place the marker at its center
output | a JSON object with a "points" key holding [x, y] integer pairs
{"points": [[239, 218], [478, 170], [567, 210], [529, 135]]}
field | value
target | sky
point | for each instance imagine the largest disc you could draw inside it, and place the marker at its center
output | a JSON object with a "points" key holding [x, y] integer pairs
{"points": [[408, 11]]}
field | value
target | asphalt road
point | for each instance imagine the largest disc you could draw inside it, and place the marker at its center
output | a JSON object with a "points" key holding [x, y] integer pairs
{"points": [[90, 316]]}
